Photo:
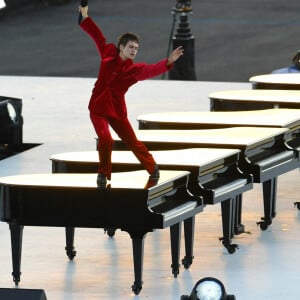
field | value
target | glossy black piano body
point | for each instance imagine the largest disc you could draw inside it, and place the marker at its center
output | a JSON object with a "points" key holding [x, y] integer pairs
{"points": [[265, 154], [214, 176], [73, 200]]}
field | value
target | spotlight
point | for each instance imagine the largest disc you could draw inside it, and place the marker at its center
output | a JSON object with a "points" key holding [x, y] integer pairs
{"points": [[183, 6], [2, 4], [208, 288], [11, 120]]}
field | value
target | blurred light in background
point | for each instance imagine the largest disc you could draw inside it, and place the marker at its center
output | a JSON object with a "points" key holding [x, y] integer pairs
{"points": [[2, 4]]}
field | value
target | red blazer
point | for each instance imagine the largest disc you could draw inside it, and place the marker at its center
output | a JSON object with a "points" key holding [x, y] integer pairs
{"points": [[115, 76]]}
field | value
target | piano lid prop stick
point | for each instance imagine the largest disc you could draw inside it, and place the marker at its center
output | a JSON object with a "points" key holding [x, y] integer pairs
{"points": [[83, 3]]}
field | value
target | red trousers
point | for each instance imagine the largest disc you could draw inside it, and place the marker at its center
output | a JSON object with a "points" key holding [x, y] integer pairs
{"points": [[126, 133]]}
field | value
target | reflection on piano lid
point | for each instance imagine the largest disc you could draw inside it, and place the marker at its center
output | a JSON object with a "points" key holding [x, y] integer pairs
{"points": [[276, 81], [73, 200], [208, 167], [233, 100], [244, 138], [282, 118], [258, 144]]}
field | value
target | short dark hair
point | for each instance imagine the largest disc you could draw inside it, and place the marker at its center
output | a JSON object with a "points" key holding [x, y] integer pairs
{"points": [[296, 59], [127, 37]]}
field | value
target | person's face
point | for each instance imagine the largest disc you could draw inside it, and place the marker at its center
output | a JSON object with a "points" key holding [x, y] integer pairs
{"points": [[129, 51]]}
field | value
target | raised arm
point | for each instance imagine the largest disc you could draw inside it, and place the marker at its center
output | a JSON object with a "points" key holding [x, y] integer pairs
{"points": [[90, 27]]}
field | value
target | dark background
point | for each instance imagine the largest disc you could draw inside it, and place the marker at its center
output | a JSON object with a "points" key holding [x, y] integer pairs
{"points": [[234, 39]]}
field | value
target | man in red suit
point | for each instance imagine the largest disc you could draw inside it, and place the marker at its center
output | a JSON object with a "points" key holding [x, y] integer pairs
{"points": [[107, 103]]}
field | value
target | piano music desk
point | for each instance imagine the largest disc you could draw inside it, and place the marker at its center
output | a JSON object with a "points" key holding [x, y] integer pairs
{"points": [[214, 176], [264, 153], [73, 200]]}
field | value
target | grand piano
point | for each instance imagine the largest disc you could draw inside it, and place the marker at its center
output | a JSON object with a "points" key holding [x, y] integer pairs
{"points": [[233, 100], [214, 176], [280, 118], [265, 153], [289, 81], [130, 203]]}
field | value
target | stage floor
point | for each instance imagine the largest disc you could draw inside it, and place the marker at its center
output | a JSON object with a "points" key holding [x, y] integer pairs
{"points": [[55, 115]]}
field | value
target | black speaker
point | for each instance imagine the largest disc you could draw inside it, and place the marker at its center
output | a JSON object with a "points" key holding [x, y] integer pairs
{"points": [[11, 120], [22, 294]]}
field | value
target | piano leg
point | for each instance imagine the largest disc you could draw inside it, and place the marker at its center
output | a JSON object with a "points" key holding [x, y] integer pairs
{"points": [[70, 250], [274, 197], [175, 233], [16, 234], [269, 192], [228, 220], [238, 226], [138, 257], [189, 226]]}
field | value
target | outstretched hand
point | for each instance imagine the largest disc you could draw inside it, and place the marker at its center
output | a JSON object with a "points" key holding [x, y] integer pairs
{"points": [[84, 11], [176, 53]]}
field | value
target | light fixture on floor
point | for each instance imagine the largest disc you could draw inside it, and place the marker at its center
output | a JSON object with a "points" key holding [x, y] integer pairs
{"points": [[11, 120], [208, 288]]}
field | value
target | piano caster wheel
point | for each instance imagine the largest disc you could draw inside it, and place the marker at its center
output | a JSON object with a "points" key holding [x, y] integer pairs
{"points": [[175, 271], [71, 254], [231, 248], [136, 288], [297, 204], [264, 224], [110, 231], [16, 279], [187, 261]]}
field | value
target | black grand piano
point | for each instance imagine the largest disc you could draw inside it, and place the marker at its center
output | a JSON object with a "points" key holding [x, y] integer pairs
{"points": [[227, 112], [214, 176], [73, 200], [279, 118], [288, 81], [265, 153], [232, 100]]}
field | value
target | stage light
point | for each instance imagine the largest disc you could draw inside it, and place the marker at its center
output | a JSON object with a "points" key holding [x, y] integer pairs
{"points": [[208, 288], [2, 4], [183, 6], [184, 69], [11, 120]]}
